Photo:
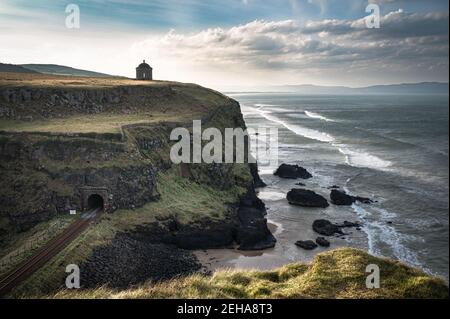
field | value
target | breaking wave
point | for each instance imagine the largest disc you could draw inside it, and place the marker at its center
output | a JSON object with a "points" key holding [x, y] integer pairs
{"points": [[318, 116]]}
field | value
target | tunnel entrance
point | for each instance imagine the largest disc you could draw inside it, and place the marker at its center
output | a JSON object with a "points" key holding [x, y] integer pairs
{"points": [[95, 201], [96, 197]]}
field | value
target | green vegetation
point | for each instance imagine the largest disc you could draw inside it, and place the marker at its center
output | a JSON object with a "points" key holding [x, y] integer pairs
{"points": [[16, 248], [70, 142], [67, 104], [8, 79], [182, 199], [14, 68], [63, 70], [335, 274], [97, 123], [34, 185], [132, 133]]}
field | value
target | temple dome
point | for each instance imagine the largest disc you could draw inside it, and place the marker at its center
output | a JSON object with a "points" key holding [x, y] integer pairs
{"points": [[144, 72], [144, 65]]}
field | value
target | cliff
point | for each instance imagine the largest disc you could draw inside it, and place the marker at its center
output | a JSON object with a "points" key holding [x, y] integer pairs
{"points": [[67, 135], [64, 140]]}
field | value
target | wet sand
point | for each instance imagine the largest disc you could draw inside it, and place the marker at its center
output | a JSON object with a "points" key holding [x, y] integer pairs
{"points": [[289, 224]]}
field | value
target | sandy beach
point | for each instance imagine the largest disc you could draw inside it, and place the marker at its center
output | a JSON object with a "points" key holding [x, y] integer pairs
{"points": [[286, 231]]}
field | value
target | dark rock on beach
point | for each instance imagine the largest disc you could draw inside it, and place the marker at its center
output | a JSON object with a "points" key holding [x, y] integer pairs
{"points": [[326, 228], [253, 233], [162, 250], [321, 241], [292, 172], [128, 261], [348, 224], [245, 225], [363, 200], [340, 198], [306, 198], [307, 245], [300, 184]]}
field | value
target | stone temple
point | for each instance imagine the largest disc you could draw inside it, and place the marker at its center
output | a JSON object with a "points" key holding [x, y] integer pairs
{"points": [[144, 72]]}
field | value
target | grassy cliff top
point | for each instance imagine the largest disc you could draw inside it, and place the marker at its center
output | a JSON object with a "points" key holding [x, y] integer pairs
{"points": [[336, 274], [69, 104], [61, 81], [97, 123]]}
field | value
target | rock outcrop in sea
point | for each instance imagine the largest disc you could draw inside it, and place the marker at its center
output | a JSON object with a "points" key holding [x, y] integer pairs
{"points": [[326, 228], [322, 242], [340, 198], [306, 198], [292, 172], [307, 244]]}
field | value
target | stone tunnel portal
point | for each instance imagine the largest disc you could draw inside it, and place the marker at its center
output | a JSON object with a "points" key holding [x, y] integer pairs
{"points": [[96, 197]]}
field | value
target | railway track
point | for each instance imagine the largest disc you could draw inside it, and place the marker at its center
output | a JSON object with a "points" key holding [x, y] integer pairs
{"points": [[42, 256]]}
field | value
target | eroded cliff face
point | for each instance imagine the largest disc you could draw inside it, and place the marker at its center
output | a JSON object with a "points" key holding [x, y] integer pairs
{"points": [[53, 102], [161, 250], [45, 173], [44, 176], [36, 102], [49, 173]]}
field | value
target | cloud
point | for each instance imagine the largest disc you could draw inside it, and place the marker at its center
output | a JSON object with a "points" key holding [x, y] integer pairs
{"points": [[396, 24], [406, 44], [409, 47]]}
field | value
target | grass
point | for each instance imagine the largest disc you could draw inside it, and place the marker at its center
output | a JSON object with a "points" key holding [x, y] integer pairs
{"points": [[34, 185], [151, 102], [15, 248], [181, 198], [185, 200], [63, 81], [97, 123], [336, 274]]}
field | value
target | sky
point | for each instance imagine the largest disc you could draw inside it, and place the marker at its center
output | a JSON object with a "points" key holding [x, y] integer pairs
{"points": [[236, 43]]}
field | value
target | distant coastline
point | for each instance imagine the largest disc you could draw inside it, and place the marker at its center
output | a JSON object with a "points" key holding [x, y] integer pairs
{"points": [[423, 88]]}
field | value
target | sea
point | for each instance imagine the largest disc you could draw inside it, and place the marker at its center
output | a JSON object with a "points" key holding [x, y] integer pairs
{"points": [[392, 149]]}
